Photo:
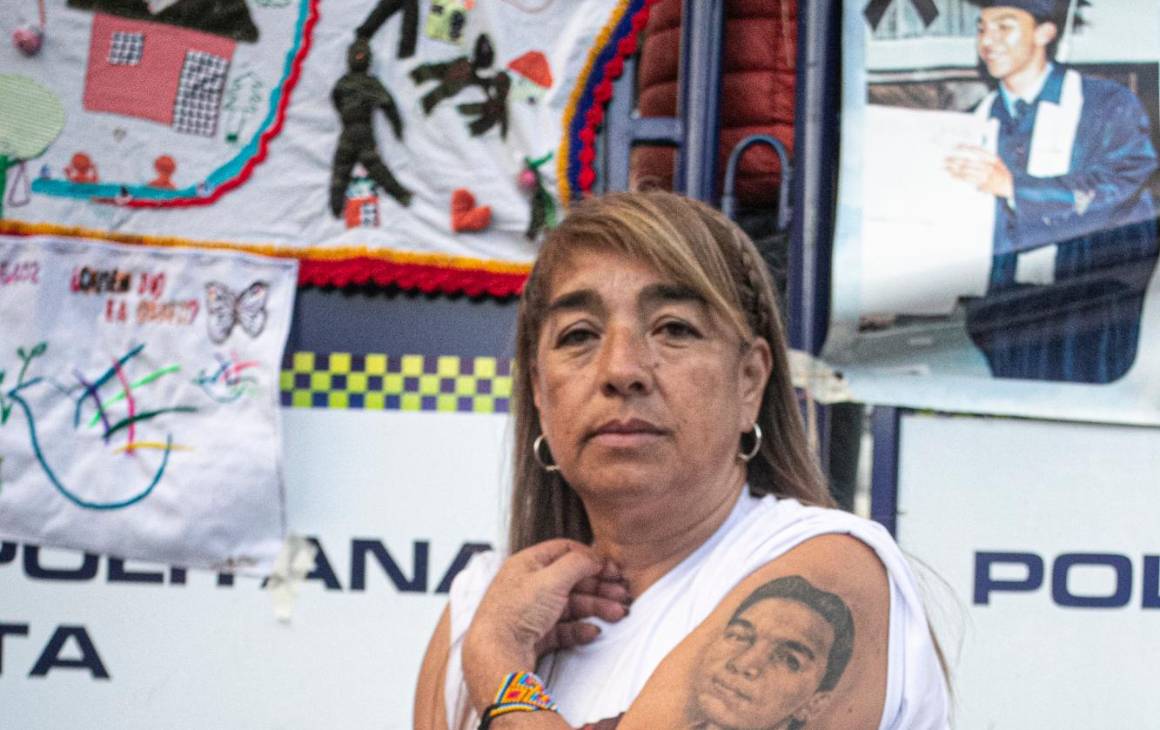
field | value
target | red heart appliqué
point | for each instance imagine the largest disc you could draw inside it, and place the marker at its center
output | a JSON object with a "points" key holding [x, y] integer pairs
{"points": [[466, 215]]}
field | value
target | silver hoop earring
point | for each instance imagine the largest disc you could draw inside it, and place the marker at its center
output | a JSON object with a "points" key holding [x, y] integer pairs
{"points": [[747, 455], [539, 460]]}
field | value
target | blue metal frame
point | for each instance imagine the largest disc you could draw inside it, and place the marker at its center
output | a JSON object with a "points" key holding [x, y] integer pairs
{"points": [[813, 187], [884, 477], [816, 136], [729, 199], [695, 130], [702, 30], [623, 128]]}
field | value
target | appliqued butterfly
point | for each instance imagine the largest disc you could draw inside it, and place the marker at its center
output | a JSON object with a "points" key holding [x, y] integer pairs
{"points": [[225, 309]]}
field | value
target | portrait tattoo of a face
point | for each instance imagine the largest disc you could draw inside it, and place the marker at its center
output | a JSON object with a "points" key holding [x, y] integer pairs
{"points": [[774, 665]]}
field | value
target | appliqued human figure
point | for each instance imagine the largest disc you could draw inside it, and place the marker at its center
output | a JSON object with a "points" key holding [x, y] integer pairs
{"points": [[456, 75], [81, 169], [409, 29], [487, 114], [356, 96]]}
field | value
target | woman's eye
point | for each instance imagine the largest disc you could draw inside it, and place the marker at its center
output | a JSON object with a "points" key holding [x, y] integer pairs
{"points": [[678, 330], [792, 662], [575, 336]]}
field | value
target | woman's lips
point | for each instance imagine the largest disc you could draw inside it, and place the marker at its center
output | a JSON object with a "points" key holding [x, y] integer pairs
{"points": [[627, 433]]}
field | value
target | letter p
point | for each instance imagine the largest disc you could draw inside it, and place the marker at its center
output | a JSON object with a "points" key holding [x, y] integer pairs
{"points": [[986, 583]]}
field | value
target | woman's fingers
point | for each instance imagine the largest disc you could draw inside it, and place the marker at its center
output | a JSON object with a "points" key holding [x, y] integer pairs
{"points": [[583, 605], [613, 590], [609, 582], [559, 566], [569, 569], [530, 595], [545, 553], [566, 635], [540, 596], [611, 571]]}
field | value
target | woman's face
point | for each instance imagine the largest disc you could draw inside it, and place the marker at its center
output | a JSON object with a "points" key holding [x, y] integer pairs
{"points": [[640, 388]]}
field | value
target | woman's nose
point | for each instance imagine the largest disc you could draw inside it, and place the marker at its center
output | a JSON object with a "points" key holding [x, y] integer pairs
{"points": [[625, 363]]}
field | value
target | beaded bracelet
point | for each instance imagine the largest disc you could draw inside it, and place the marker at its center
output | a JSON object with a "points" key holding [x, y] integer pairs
{"points": [[519, 692]]}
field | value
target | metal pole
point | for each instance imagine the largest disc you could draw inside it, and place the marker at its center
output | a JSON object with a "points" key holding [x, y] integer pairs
{"points": [[729, 197], [816, 135], [702, 28], [616, 142], [623, 128], [884, 425]]}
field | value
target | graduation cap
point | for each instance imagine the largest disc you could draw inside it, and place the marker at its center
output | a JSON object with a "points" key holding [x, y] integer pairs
{"points": [[1038, 8], [1043, 9]]}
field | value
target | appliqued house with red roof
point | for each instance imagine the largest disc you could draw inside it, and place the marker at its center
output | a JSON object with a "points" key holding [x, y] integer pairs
{"points": [[533, 77], [163, 60]]}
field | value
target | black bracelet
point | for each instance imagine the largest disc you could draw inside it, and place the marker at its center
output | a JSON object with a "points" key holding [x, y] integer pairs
{"points": [[485, 719]]}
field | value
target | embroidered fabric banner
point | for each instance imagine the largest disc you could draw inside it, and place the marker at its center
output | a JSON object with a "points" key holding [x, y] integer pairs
{"points": [[996, 243], [139, 392], [422, 143]]}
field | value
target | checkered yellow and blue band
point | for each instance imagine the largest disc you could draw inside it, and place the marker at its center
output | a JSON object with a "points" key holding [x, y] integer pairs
{"points": [[445, 383]]}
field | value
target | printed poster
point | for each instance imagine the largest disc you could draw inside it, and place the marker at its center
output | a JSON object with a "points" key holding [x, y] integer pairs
{"points": [[996, 241], [139, 394]]}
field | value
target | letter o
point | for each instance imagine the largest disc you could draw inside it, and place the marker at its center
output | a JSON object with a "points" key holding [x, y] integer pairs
{"points": [[1062, 594]]}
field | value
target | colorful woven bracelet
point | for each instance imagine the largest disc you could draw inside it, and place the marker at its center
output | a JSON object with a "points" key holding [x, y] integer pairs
{"points": [[519, 692]]}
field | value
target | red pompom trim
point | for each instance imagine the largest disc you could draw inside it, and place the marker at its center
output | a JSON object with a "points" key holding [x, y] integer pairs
{"points": [[602, 93], [423, 277]]}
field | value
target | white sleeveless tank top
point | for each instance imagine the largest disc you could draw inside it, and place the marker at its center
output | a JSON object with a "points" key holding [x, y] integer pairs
{"points": [[600, 680]]}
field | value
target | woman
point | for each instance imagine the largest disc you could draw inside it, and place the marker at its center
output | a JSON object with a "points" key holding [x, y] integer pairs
{"points": [[664, 571]]}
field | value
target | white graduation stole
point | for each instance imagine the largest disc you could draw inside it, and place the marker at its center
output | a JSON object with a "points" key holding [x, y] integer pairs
{"points": [[1052, 142]]}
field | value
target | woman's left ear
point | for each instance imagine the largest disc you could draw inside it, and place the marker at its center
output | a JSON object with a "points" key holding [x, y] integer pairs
{"points": [[756, 366]]}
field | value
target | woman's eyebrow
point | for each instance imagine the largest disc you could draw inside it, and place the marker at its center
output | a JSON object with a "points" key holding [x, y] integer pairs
{"points": [[581, 299], [654, 294]]}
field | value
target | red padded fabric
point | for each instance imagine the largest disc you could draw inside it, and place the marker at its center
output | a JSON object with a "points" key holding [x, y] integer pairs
{"points": [[757, 91]]}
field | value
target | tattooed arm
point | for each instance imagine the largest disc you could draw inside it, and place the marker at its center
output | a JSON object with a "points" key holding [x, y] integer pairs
{"points": [[801, 643]]}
